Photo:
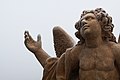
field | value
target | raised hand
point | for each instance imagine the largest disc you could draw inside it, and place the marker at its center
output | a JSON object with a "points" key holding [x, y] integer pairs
{"points": [[31, 44]]}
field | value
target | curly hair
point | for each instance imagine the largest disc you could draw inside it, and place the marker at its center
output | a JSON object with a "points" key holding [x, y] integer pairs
{"points": [[106, 25]]}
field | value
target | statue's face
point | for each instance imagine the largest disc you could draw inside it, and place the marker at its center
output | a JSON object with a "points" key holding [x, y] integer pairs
{"points": [[89, 25]]}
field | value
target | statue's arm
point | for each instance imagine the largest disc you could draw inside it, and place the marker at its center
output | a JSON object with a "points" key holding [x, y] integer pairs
{"points": [[36, 48], [41, 56]]}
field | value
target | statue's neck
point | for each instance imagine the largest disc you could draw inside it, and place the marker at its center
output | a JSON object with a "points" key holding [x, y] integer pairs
{"points": [[93, 42]]}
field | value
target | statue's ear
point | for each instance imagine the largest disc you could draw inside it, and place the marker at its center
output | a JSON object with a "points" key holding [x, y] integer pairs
{"points": [[62, 41], [119, 39]]}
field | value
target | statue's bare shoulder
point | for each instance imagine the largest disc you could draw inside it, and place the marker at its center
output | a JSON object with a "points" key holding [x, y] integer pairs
{"points": [[74, 52], [76, 48]]}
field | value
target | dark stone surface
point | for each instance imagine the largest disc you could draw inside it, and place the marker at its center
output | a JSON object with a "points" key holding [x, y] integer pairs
{"points": [[96, 56]]}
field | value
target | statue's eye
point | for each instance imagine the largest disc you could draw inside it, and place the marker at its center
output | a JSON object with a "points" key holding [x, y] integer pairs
{"points": [[89, 18]]}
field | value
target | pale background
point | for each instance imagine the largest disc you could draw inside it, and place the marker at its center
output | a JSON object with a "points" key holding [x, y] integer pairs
{"points": [[39, 17]]}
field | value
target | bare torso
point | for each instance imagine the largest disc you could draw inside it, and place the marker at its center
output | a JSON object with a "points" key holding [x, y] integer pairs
{"points": [[97, 64]]}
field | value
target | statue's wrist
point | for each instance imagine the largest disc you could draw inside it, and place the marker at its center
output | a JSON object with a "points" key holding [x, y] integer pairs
{"points": [[38, 51]]}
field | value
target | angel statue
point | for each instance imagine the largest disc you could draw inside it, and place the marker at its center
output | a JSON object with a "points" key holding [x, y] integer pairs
{"points": [[96, 56]]}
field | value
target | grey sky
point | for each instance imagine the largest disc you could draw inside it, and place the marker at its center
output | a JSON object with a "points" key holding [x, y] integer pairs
{"points": [[39, 17]]}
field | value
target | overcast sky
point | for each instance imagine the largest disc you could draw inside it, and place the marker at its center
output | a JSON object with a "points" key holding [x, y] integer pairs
{"points": [[39, 17]]}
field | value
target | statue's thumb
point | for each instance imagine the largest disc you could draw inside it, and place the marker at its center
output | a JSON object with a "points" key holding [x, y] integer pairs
{"points": [[39, 38]]}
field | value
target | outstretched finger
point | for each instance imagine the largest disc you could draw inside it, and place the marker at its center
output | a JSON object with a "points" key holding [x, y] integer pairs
{"points": [[27, 35]]}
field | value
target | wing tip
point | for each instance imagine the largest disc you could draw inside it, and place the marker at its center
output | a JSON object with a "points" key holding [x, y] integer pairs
{"points": [[56, 28], [62, 40]]}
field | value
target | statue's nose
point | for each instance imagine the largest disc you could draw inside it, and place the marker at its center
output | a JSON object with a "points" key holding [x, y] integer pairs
{"points": [[83, 22]]}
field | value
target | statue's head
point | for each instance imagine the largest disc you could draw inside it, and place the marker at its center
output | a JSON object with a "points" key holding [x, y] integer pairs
{"points": [[104, 20]]}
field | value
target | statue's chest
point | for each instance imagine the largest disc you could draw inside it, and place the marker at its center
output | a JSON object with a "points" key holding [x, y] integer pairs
{"points": [[96, 59]]}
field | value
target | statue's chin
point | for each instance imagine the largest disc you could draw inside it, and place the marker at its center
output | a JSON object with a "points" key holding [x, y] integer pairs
{"points": [[86, 33]]}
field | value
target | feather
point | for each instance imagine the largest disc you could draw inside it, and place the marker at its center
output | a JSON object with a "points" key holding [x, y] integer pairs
{"points": [[62, 41]]}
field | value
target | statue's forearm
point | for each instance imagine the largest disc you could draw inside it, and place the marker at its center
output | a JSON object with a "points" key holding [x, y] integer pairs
{"points": [[41, 56]]}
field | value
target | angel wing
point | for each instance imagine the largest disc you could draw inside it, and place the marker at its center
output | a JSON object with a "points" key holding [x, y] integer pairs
{"points": [[62, 41]]}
